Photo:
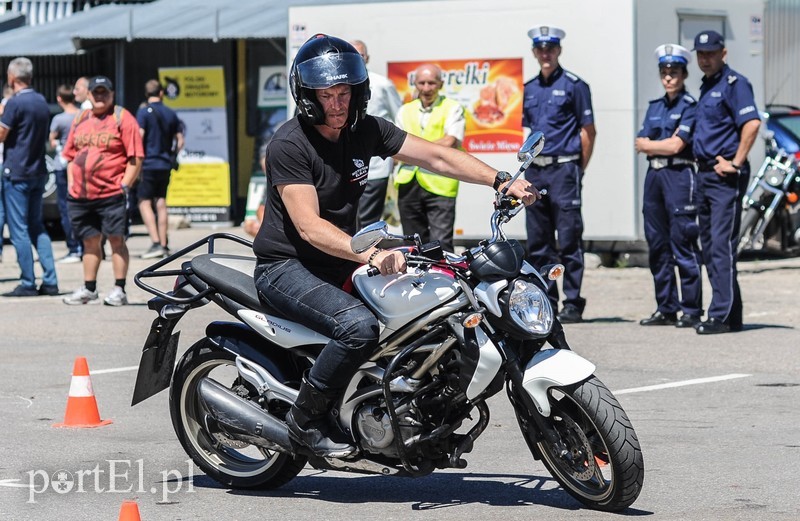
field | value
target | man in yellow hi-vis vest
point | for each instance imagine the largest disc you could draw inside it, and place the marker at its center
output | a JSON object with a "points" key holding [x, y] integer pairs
{"points": [[427, 201]]}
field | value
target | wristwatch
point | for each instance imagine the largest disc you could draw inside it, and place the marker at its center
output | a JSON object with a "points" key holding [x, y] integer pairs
{"points": [[500, 178], [737, 167]]}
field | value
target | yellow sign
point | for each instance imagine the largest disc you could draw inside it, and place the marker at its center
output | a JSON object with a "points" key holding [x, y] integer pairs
{"points": [[200, 184], [193, 87]]}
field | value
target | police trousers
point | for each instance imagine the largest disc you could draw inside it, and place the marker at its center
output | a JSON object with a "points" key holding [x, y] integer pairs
{"points": [[670, 227], [554, 226], [719, 216]]}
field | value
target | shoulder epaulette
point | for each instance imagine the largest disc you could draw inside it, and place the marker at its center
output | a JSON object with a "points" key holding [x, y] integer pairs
{"points": [[572, 77], [732, 79], [688, 99]]}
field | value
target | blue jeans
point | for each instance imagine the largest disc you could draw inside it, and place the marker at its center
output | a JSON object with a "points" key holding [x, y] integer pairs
{"points": [[300, 296], [23, 200], [73, 244]]}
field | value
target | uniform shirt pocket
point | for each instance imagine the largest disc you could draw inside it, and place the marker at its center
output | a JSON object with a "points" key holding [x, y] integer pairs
{"points": [[714, 110]]}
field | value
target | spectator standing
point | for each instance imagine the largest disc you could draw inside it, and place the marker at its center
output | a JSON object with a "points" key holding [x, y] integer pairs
{"points": [[23, 130], [59, 130], [670, 208], [427, 201], [727, 126], [7, 93], [104, 150], [384, 102], [81, 92], [163, 140], [558, 103]]}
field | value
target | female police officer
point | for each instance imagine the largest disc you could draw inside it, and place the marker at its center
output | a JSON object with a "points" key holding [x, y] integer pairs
{"points": [[669, 209]]}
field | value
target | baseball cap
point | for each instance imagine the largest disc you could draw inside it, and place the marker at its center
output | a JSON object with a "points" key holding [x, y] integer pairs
{"points": [[100, 81], [708, 41]]}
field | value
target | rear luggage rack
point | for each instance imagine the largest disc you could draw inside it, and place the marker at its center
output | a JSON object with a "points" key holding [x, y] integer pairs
{"points": [[154, 271]]}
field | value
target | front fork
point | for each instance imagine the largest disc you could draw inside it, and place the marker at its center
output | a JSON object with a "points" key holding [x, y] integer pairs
{"points": [[524, 405]]}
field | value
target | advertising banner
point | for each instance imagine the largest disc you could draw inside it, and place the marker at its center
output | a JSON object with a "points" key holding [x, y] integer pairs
{"points": [[201, 187], [273, 86], [490, 90]]}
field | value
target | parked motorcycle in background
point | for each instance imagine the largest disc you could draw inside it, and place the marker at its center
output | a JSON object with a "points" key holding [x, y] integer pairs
{"points": [[770, 208], [455, 330]]}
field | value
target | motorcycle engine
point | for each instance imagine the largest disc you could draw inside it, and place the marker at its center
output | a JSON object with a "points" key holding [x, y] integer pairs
{"points": [[375, 429]]}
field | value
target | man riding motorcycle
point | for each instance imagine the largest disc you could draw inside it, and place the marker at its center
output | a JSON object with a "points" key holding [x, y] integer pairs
{"points": [[317, 169]]}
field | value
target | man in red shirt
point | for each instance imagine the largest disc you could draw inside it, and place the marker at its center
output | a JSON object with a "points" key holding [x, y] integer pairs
{"points": [[104, 150]]}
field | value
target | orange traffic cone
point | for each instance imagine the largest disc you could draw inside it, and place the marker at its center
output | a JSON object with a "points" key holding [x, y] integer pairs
{"points": [[81, 405], [129, 511]]}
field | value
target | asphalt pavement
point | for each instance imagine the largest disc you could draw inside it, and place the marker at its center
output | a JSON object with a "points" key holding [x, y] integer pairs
{"points": [[716, 416]]}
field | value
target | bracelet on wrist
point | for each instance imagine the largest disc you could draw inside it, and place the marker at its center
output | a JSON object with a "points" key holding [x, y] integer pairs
{"points": [[372, 257]]}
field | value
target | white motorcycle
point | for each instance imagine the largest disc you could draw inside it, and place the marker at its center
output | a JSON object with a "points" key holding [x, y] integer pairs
{"points": [[455, 330]]}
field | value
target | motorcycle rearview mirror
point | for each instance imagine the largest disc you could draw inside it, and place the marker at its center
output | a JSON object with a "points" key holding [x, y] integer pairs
{"points": [[531, 148], [369, 236]]}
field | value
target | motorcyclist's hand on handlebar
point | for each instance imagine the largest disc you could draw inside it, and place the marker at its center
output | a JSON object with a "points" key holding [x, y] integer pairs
{"points": [[523, 190], [390, 262]]}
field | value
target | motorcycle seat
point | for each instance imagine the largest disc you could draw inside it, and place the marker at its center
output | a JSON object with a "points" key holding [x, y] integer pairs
{"points": [[232, 276]]}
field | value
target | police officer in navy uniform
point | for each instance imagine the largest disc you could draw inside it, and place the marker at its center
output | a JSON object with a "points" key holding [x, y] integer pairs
{"points": [[670, 211], [726, 128], [559, 104]]}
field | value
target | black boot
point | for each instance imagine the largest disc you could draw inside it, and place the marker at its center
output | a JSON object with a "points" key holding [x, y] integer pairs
{"points": [[308, 425]]}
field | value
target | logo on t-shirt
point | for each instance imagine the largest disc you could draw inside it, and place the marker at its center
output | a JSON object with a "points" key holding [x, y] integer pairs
{"points": [[359, 175]]}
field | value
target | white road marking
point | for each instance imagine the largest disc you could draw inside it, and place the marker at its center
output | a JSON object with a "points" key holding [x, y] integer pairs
{"points": [[13, 483], [115, 370], [683, 383]]}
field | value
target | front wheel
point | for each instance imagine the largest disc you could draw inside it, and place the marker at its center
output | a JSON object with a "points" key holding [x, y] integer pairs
{"points": [[749, 239], [601, 463], [230, 462]]}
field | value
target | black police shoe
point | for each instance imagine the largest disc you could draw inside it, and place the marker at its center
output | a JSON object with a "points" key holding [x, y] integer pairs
{"points": [[570, 315], [688, 321], [660, 319], [713, 326]]}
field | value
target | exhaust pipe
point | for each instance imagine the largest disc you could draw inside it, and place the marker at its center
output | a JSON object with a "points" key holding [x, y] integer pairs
{"points": [[241, 419]]}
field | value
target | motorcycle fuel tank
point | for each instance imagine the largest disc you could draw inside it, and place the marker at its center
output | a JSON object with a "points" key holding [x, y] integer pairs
{"points": [[398, 299]]}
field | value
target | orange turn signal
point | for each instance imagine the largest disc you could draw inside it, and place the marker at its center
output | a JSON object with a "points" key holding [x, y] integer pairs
{"points": [[791, 197], [472, 320], [555, 272]]}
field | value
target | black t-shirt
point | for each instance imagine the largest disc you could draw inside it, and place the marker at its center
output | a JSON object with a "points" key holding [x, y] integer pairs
{"points": [[299, 154]]}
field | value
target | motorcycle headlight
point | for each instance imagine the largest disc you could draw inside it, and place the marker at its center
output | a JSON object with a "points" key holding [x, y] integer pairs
{"points": [[774, 178], [529, 308]]}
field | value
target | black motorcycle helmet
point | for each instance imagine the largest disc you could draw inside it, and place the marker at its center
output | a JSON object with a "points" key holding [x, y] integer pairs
{"points": [[322, 62]]}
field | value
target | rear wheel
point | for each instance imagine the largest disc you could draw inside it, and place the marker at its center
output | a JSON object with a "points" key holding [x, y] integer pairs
{"points": [[231, 462], [601, 465]]}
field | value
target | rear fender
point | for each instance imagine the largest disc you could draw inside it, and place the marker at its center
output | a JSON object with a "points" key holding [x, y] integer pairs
{"points": [[553, 368]]}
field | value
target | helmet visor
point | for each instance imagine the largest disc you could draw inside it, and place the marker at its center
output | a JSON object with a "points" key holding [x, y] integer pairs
{"points": [[332, 69]]}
